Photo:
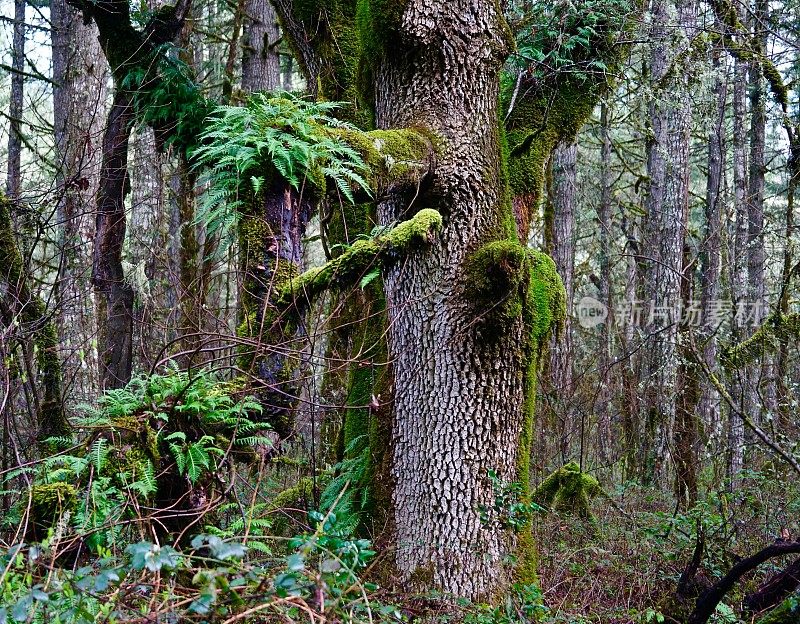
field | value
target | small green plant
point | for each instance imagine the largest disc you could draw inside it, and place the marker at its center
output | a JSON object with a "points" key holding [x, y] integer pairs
{"points": [[241, 147], [523, 604], [211, 580], [161, 435], [509, 509]]}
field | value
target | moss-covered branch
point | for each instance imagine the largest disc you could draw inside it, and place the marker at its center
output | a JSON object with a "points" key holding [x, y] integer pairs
{"points": [[766, 340], [362, 257], [396, 160], [748, 50]]}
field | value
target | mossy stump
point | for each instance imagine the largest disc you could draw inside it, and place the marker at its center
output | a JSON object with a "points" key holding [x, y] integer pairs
{"points": [[568, 490]]}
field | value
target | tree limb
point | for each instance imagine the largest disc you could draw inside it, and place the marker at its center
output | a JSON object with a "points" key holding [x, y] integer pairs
{"points": [[707, 603], [760, 433], [362, 257]]}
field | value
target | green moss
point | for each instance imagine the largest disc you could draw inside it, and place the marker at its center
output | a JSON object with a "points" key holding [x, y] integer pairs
{"points": [[50, 501], [547, 299], [776, 329], [52, 421], [392, 157], [495, 277], [536, 126], [298, 495], [568, 490], [378, 23], [362, 256]]}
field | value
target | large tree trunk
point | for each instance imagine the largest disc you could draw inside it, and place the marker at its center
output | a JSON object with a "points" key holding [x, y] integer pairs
{"points": [[149, 265], [81, 79], [260, 61], [665, 230], [459, 405]]}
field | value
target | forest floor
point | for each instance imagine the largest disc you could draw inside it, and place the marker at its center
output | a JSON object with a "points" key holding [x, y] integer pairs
{"points": [[624, 568]]}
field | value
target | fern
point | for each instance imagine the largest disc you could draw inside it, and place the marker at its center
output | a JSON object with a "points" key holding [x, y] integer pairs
{"points": [[98, 454], [353, 474], [281, 132]]}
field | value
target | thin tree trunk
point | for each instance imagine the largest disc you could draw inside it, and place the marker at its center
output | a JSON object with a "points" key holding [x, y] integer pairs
{"points": [[560, 235], [604, 210], [738, 277], [709, 406], [15, 107], [39, 343], [760, 389], [114, 292], [665, 231], [686, 451]]}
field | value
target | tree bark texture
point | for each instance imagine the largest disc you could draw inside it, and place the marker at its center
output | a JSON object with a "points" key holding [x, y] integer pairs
{"points": [[560, 227], [459, 405], [114, 293], [666, 206], [711, 250], [260, 61], [81, 75], [738, 278]]}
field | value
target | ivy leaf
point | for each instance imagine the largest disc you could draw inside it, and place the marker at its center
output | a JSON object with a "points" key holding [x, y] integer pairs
{"points": [[153, 557]]}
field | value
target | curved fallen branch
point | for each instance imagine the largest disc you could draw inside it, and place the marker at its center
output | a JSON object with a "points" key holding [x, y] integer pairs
{"points": [[707, 603]]}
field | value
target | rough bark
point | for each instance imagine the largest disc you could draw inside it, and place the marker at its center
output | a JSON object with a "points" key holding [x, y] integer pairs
{"points": [[459, 405], [260, 60], [80, 74], [711, 250], [738, 278], [560, 244], [665, 230]]}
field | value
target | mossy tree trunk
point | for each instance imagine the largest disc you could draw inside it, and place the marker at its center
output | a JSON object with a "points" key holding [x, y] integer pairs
{"points": [[468, 319], [460, 382]]}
